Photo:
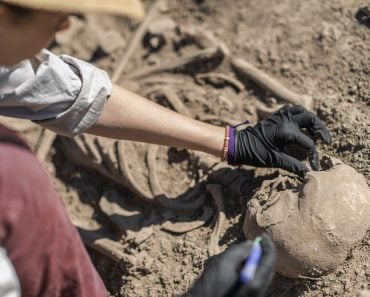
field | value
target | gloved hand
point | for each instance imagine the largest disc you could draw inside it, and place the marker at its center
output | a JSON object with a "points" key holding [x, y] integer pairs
{"points": [[221, 276], [263, 144]]}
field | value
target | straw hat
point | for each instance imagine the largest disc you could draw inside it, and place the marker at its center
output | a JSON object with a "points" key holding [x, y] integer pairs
{"points": [[130, 8]]}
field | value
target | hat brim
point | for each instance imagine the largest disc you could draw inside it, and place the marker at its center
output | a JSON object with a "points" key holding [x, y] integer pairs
{"points": [[131, 8]]}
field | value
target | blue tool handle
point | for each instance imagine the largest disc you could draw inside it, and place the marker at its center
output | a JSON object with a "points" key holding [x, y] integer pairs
{"points": [[251, 264]]}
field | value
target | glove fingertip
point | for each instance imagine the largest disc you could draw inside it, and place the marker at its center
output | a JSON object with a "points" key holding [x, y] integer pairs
{"points": [[300, 169], [327, 139], [315, 162], [293, 165], [325, 136]]}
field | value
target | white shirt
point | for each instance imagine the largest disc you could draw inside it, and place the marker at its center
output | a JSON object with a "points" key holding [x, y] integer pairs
{"points": [[9, 283], [63, 94]]}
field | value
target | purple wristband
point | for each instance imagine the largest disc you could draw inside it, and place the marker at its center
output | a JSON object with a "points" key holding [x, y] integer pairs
{"points": [[231, 152], [231, 146]]}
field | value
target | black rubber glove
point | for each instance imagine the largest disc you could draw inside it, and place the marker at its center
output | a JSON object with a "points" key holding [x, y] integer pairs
{"points": [[221, 276], [263, 144]]}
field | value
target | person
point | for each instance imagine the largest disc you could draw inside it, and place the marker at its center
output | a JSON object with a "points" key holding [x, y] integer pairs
{"points": [[41, 253], [70, 96]]}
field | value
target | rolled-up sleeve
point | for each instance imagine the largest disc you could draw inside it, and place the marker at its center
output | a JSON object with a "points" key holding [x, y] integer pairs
{"points": [[64, 94]]}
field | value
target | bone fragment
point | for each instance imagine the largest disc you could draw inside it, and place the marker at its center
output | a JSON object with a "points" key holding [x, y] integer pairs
{"points": [[247, 71], [46, 141], [229, 104], [216, 192], [219, 78], [140, 236], [135, 223], [107, 156], [105, 246], [87, 143], [183, 227], [175, 101], [124, 219], [201, 57], [152, 166], [203, 38], [197, 96], [163, 80], [182, 84], [111, 249], [133, 185]]}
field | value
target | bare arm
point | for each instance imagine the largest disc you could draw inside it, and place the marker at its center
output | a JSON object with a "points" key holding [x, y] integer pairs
{"points": [[132, 117]]}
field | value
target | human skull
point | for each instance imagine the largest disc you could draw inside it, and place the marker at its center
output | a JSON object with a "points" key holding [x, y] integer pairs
{"points": [[313, 223]]}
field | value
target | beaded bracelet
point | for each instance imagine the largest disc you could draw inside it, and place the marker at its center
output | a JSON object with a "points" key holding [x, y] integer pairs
{"points": [[226, 145]]}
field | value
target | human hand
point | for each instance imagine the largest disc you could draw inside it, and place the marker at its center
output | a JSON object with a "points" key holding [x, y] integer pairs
{"points": [[221, 277], [263, 144]]}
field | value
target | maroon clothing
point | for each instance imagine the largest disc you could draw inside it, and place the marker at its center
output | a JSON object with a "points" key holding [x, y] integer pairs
{"points": [[43, 245]]}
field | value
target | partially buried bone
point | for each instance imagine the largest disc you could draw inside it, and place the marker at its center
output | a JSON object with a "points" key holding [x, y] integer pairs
{"points": [[199, 36], [247, 71], [134, 223], [219, 79], [314, 223], [216, 192], [104, 245], [113, 250], [174, 100], [186, 226]]}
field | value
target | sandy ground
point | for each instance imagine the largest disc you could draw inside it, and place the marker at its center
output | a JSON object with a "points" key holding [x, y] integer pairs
{"points": [[314, 47]]}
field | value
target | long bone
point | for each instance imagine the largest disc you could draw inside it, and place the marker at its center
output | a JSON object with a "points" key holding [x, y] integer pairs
{"points": [[247, 71], [106, 246]]}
